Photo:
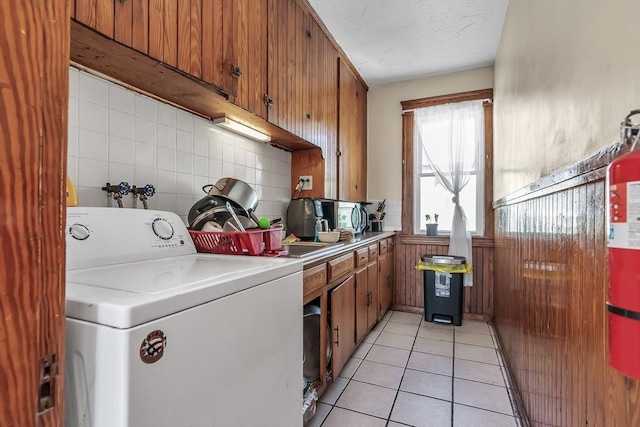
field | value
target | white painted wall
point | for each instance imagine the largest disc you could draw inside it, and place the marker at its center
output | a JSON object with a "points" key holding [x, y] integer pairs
{"points": [[566, 74], [384, 147]]}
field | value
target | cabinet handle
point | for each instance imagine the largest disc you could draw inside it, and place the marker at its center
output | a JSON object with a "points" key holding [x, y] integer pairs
{"points": [[236, 71], [268, 100], [369, 298], [308, 115], [308, 34], [337, 336]]}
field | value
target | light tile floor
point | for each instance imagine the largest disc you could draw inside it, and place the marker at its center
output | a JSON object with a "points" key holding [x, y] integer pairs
{"points": [[411, 372]]}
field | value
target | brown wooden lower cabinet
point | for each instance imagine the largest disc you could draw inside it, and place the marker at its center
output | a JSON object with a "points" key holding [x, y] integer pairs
{"points": [[347, 289], [342, 324]]}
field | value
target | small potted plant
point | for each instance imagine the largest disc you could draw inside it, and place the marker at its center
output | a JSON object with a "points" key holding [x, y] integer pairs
{"points": [[432, 227]]}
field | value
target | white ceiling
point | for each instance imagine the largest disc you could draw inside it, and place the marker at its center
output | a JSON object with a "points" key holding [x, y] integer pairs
{"points": [[395, 40]]}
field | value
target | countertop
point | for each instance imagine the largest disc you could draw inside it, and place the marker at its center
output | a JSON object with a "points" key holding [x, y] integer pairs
{"points": [[318, 254]]}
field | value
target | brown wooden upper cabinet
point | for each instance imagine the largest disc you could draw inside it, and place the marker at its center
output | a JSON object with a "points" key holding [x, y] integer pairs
{"points": [[270, 57], [352, 136], [302, 75], [234, 48]]}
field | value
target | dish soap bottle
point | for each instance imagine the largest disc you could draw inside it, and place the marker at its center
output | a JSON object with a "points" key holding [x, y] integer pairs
{"points": [[318, 229]]}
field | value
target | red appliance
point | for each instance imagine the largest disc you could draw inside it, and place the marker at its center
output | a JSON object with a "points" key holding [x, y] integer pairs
{"points": [[623, 305]]}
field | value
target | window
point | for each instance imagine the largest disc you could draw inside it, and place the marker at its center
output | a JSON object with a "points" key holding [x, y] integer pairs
{"points": [[422, 192], [437, 127]]}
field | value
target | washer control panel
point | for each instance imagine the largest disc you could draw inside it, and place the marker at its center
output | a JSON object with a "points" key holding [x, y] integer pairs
{"points": [[104, 236]]}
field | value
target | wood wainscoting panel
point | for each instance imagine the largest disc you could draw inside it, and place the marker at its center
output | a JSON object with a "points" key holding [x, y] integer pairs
{"points": [[550, 292], [409, 283]]}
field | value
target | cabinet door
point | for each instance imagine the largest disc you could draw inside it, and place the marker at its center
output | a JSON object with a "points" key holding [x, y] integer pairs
{"points": [[163, 31], [249, 54], [362, 303], [190, 37], [352, 161], [212, 42], [131, 23], [342, 324], [384, 283], [96, 14], [372, 286]]}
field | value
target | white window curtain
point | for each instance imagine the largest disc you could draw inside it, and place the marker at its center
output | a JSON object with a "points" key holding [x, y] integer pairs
{"points": [[462, 121]]}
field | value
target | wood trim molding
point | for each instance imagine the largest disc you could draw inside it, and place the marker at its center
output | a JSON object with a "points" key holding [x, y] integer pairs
{"points": [[447, 99], [587, 170], [488, 171], [407, 175], [414, 239]]}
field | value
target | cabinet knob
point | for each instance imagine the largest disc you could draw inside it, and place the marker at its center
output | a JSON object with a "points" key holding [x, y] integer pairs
{"points": [[268, 100], [236, 71], [308, 115]]}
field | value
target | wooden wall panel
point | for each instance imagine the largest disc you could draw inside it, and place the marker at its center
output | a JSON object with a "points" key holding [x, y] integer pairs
{"points": [[409, 283], [34, 87], [550, 292]]}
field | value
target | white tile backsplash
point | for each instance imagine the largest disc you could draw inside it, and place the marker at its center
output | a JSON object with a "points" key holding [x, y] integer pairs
{"points": [[393, 214], [92, 116], [116, 135]]}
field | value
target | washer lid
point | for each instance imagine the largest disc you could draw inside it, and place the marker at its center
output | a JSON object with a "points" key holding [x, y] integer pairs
{"points": [[126, 295]]}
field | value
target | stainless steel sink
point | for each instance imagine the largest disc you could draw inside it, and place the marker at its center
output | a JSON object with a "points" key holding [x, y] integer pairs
{"points": [[306, 249]]}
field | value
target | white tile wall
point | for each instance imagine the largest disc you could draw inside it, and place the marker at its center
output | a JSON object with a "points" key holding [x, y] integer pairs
{"points": [[393, 219], [117, 135]]}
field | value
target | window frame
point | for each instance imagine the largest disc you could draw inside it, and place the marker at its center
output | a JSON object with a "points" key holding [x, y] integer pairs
{"points": [[409, 174]]}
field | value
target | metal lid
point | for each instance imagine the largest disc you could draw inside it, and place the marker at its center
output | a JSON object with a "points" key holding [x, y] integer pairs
{"points": [[443, 259]]}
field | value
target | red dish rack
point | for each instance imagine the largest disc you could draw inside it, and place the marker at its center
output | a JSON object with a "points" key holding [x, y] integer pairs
{"points": [[252, 242]]}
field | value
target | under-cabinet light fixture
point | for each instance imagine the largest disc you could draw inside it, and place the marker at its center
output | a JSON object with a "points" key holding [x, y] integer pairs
{"points": [[241, 129]]}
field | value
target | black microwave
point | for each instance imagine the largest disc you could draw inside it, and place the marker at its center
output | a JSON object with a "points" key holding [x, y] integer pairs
{"points": [[340, 214]]}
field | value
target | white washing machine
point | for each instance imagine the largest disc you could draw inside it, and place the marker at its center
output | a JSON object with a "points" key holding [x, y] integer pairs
{"points": [[159, 335]]}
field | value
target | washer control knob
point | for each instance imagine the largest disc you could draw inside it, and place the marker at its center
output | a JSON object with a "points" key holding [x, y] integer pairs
{"points": [[79, 231], [162, 228]]}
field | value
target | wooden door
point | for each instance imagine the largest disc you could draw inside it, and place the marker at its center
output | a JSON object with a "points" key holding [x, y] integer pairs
{"points": [[249, 53], [190, 37], [34, 97], [384, 283], [362, 303], [287, 65], [163, 31], [352, 159], [342, 324], [212, 43], [372, 285], [96, 14], [131, 23]]}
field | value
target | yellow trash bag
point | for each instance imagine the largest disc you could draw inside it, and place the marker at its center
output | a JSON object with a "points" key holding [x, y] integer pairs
{"points": [[444, 264]]}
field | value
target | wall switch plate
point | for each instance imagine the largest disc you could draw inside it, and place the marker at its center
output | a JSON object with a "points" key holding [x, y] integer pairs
{"points": [[307, 182]]}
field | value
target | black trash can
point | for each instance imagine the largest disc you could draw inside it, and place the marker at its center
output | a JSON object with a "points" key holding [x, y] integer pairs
{"points": [[443, 288]]}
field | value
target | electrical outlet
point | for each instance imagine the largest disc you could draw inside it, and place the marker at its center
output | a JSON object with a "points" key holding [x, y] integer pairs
{"points": [[307, 182]]}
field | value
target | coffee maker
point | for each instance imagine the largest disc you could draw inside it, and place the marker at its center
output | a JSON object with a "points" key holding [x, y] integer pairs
{"points": [[302, 215]]}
